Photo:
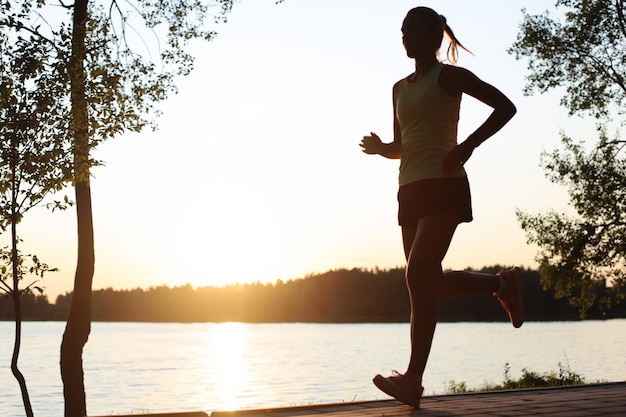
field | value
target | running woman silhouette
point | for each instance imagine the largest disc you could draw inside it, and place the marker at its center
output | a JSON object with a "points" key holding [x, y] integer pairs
{"points": [[434, 194]]}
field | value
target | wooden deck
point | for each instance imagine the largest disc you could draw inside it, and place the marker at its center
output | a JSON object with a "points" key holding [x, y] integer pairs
{"points": [[592, 400], [179, 414], [574, 401]]}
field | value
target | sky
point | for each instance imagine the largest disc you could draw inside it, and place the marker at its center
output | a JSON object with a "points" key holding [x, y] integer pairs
{"points": [[255, 173]]}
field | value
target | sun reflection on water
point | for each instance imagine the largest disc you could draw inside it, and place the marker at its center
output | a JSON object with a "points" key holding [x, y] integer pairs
{"points": [[230, 368]]}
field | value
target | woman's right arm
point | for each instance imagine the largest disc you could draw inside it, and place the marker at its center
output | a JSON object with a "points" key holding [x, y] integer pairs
{"points": [[372, 145]]}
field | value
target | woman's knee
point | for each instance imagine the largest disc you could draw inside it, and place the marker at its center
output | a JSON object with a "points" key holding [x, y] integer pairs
{"points": [[422, 273]]}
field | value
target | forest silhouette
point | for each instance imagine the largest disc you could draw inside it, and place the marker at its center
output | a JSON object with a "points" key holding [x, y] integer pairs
{"points": [[337, 296]]}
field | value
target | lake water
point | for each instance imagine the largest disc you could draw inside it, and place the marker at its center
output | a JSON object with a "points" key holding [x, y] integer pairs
{"points": [[157, 367]]}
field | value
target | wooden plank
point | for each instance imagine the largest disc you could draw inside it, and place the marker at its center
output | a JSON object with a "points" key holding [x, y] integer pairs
{"points": [[364, 408], [176, 414]]}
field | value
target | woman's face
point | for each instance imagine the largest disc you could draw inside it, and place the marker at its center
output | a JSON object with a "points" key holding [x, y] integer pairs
{"points": [[416, 40]]}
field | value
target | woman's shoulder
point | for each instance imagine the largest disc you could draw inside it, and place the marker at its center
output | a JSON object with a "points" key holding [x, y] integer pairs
{"points": [[398, 84], [402, 81], [453, 79], [453, 71]]}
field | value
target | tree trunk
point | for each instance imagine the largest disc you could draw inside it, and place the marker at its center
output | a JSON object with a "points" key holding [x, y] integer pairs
{"points": [[16, 353], [16, 293], [79, 320]]}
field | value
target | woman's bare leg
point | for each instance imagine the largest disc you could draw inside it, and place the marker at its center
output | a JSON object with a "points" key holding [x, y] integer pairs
{"points": [[457, 283], [425, 247]]}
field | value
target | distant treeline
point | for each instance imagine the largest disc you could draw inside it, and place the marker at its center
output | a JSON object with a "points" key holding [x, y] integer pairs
{"points": [[355, 295]]}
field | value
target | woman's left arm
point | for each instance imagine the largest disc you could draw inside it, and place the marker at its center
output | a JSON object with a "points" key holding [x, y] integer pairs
{"points": [[456, 81]]}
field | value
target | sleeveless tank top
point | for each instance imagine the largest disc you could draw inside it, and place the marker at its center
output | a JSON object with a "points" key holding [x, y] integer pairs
{"points": [[428, 118]]}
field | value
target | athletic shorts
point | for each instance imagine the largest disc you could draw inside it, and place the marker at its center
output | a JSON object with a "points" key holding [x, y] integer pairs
{"points": [[434, 196]]}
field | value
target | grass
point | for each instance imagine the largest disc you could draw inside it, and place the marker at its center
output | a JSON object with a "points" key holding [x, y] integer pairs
{"points": [[529, 379]]}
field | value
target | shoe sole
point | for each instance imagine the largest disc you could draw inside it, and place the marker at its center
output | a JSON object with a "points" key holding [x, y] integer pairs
{"points": [[382, 384]]}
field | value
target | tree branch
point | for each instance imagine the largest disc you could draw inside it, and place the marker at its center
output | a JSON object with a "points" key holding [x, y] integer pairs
{"points": [[619, 5], [124, 24], [7, 289], [20, 26], [65, 6]]}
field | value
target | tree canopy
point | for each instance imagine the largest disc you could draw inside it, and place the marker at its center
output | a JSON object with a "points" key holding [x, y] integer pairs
{"points": [[133, 53], [585, 54]]}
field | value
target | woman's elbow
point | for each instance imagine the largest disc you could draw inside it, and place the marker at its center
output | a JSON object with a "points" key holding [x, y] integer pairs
{"points": [[511, 110]]}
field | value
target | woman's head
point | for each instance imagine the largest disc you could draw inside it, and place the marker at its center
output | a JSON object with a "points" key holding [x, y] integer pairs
{"points": [[422, 33]]}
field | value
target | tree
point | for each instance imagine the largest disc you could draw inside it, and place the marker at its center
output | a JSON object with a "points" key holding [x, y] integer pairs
{"points": [[115, 82], [582, 256], [33, 164], [586, 55]]}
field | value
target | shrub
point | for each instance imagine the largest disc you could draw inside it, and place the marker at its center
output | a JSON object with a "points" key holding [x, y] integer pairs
{"points": [[529, 379]]}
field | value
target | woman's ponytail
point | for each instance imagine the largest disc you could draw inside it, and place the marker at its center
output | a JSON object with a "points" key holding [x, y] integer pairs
{"points": [[453, 48]]}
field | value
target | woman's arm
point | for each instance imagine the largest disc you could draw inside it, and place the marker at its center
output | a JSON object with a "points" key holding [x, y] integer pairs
{"points": [[456, 81], [372, 145]]}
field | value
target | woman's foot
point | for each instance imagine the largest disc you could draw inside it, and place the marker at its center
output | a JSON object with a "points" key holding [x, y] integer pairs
{"points": [[404, 388], [510, 295]]}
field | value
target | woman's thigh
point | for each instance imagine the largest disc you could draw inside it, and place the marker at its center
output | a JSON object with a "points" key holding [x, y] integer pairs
{"points": [[430, 240]]}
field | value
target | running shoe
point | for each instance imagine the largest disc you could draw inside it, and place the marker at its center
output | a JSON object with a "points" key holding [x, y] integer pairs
{"points": [[403, 388], [511, 295]]}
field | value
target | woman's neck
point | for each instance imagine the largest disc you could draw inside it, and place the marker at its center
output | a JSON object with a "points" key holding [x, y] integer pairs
{"points": [[423, 65]]}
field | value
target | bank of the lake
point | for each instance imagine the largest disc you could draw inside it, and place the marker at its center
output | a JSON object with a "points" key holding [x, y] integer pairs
{"points": [[339, 296]]}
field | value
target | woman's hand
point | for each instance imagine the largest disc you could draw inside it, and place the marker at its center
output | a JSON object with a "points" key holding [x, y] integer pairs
{"points": [[457, 157], [371, 145]]}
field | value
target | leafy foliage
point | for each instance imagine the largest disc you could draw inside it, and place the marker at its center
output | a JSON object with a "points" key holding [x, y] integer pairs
{"points": [[27, 265], [128, 70], [582, 257], [529, 379], [34, 157], [586, 54]]}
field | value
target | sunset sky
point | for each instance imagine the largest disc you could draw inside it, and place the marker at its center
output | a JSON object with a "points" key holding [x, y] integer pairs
{"points": [[256, 174]]}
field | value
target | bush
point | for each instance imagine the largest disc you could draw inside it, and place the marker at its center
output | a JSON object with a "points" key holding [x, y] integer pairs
{"points": [[529, 379]]}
